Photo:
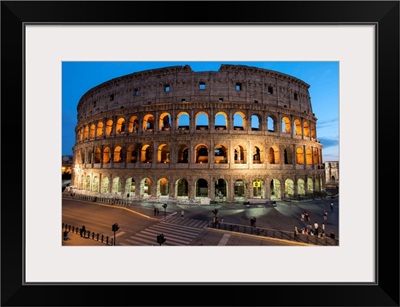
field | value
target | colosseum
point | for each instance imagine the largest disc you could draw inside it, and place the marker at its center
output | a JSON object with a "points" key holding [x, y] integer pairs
{"points": [[239, 134]]}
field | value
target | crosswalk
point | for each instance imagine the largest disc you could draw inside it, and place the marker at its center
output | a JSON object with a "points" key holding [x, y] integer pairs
{"points": [[178, 232]]}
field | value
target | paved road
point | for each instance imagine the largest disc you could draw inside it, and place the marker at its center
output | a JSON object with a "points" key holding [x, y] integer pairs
{"points": [[188, 230]]}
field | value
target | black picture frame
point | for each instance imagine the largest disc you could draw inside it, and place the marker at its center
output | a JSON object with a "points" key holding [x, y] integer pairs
{"points": [[383, 14]]}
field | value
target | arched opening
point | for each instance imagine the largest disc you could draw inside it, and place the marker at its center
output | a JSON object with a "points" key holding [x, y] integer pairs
{"points": [[146, 154], [95, 187], [306, 129], [120, 126], [148, 123], [104, 185], [100, 129], [201, 154], [310, 186], [273, 156], [257, 188], [221, 121], [289, 188], [106, 155], [201, 121], [109, 127], [221, 154], [118, 154], [131, 154], [165, 122], [92, 131], [130, 187], [201, 188], [163, 154], [239, 121], [87, 187], [183, 121], [240, 155], [255, 122], [299, 156], [271, 124], [97, 155], [183, 154], [145, 188], [116, 186], [86, 132], [239, 189], [285, 125], [162, 187], [256, 155], [275, 188], [308, 157], [301, 189], [313, 133], [133, 126], [182, 188], [297, 127], [220, 190]]}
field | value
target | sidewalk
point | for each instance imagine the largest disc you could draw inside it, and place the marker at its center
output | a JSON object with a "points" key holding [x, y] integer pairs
{"points": [[77, 240]]}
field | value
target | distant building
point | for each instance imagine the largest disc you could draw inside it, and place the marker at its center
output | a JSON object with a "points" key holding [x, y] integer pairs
{"points": [[66, 165], [332, 173]]}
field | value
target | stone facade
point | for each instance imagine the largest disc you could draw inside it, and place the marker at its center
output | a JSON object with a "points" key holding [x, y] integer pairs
{"points": [[237, 134], [332, 173]]}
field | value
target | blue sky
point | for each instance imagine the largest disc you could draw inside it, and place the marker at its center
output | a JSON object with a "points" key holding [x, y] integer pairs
{"points": [[323, 78]]}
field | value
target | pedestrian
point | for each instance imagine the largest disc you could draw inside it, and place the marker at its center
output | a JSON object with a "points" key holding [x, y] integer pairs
{"points": [[155, 211], [158, 211], [83, 231], [182, 213], [217, 222], [331, 206], [332, 235], [296, 232], [213, 221], [302, 217], [66, 235], [325, 215], [316, 228]]}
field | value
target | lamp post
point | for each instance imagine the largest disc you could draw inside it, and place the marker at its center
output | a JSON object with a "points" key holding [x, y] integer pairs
{"points": [[165, 210]]}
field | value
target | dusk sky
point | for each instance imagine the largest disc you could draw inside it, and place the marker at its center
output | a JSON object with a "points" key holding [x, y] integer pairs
{"points": [[323, 78]]}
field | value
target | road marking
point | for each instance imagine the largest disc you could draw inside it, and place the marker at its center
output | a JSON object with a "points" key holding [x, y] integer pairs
{"points": [[120, 234], [224, 239]]}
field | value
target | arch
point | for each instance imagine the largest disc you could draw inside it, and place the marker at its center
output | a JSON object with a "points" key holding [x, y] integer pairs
{"points": [[146, 155], [97, 155], [289, 188], [316, 156], [163, 154], [240, 156], [306, 129], [257, 155], [201, 120], [86, 136], [221, 121], [201, 153], [109, 127], [317, 185], [100, 127], [201, 188], [182, 188], [130, 186], [301, 188], [239, 189], [95, 187], [145, 188], [118, 154], [104, 185], [162, 187], [81, 134], [310, 186], [257, 188], [313, 131], [275, 188], [87, 185], [131, 154], [273, 155], [297, 126], [106, 155], [220, 154], [116, 186], [133, 125], [308, 156], [81, 182], [288, 155], [120, 127], [92, 131], [255, 122], [183, 121], [221, 191], [164, 122], [286, 125], [183, 154], [148, 122], [299, 156], [239, 121], [271, 123]]}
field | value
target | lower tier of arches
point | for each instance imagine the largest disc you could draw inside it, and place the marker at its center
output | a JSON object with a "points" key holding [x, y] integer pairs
{"points": [[203, 186]]}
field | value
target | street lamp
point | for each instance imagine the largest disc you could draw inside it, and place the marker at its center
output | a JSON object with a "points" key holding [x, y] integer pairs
{"points": [[165, 210]]}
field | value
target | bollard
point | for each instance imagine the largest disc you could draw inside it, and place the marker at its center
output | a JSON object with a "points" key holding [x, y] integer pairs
{"points": [[73, 228], [69, 227], [107, 240], [76, 230], [102, 238], [88, 234], [92, 235]]}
